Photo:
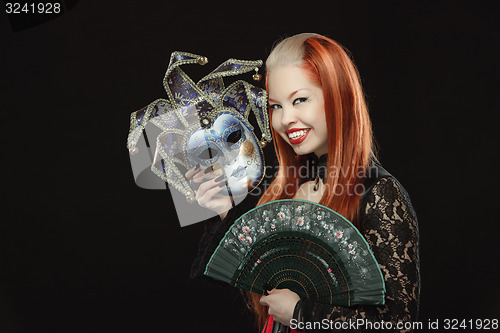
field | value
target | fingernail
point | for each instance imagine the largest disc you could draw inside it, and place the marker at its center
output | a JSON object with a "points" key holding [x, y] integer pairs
{"points": [[197, 167], [222, 184], [207, 170], [218, 179]]}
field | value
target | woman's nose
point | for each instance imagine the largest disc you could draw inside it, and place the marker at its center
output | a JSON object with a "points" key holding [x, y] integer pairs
{"points": [[288, 117]]}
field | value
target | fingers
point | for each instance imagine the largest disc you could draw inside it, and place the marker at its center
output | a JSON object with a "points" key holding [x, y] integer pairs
{"points": [[267, 301], [196, 170], [191, 172], [264, 301], [207, 182], [205, 186], [208, 190], [202, 175], [196, 176]]}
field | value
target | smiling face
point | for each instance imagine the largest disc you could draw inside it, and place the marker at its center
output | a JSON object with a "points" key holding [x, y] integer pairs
{"points": [[298, 110]]}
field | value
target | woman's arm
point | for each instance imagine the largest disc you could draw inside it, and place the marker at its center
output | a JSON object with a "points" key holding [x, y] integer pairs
{"points": [[215, 229], [390, 227], [217, 226]]}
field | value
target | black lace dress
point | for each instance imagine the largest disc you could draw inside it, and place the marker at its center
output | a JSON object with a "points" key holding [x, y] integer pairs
{"points": [[389, 224]]}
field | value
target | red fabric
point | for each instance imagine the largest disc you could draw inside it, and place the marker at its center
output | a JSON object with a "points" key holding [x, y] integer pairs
{"points": [[269, 327]]}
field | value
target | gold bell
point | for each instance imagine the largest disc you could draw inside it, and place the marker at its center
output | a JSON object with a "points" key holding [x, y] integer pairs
{"points": [[190, 198], [202, 60], [133, 150], [205, 122], [257, 76]]}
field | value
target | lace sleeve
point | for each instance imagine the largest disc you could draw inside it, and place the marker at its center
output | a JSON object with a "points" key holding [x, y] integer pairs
{"points": [[214, 231], [210, 226], [389, 224]]}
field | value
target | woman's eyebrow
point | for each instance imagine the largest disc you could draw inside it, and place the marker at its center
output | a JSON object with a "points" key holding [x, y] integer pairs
{"points": [[296, 91], [289, 96]]}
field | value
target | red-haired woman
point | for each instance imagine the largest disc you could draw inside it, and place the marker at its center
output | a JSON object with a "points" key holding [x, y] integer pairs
{"points": [[321, 124]]}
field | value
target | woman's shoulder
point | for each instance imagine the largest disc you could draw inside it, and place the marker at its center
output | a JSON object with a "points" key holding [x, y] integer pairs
{"points": [[384, 194]]}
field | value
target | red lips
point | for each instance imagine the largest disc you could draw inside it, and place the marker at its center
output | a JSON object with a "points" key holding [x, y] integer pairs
{"points": [[291, 130], [300, 139]]}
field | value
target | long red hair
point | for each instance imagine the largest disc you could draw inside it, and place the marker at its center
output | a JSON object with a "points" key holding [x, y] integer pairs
{"points": [[350, 142]]}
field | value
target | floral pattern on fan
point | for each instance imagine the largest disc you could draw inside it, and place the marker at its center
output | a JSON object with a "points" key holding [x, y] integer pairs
{"points": [[248, 231], [303, 246]]}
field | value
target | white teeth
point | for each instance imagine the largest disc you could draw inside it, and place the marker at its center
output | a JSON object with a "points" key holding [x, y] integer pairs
{"points": [[297, 134]]}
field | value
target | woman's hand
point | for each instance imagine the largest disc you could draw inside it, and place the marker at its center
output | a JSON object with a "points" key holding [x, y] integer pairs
{"points": [[209, 187], [281, 303]]}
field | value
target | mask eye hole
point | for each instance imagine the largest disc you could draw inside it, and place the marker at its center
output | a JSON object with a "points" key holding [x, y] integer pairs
{"points": [[233, 138], [208, 154]]}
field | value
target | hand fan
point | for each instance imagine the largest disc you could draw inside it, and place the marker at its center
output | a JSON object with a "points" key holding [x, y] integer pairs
{"points": [[303, 246]]}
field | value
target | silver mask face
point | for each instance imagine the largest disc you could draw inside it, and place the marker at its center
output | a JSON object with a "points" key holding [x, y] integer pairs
{"points": [[231, 148]]}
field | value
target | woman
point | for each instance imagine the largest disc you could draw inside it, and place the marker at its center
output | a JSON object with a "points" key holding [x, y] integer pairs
{"points": [[320, 120]]}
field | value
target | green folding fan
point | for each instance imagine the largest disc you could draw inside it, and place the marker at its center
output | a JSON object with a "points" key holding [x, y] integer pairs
{"points": [[303, 246]]}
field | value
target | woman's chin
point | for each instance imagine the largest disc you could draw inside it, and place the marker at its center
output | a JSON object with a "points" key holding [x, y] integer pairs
{"points": [[300, 150]]}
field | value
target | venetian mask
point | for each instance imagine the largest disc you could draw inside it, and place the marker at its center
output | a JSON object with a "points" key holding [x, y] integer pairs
{"points": [[231, 149], [204, 123]]}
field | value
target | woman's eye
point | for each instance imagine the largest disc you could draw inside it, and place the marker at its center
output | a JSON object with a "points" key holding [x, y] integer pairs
{"points": [[300, 100], [234, 137], [274, 106]]}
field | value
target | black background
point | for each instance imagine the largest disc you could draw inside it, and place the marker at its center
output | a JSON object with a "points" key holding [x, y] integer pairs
{"points": [[83, 249]]}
